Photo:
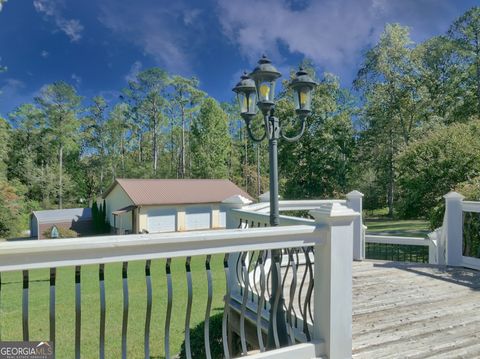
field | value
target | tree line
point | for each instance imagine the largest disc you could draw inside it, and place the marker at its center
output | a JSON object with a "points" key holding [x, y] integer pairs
{"points": [[404, 134]]}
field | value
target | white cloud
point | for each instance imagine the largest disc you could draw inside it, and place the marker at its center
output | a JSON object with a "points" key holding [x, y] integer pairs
{"points": [[44, 54], [11, 87], [1, 4], [191, 16], [12, 93], [169, 33], [331, 32], [72, 28], [77, 79], [52, 9], [133, 72]]}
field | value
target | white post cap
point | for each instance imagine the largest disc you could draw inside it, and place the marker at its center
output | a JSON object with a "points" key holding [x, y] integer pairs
{"points": [[333, 212], [454, 195], [354, 194], [264, 197]]}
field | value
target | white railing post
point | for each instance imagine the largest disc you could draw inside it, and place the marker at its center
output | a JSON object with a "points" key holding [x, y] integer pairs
{"points": [[333, 280], [454, 227], [354, 201], [433, 249], [232, 222]]}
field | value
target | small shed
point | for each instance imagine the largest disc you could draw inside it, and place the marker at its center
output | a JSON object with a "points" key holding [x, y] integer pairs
{"points": [[78, 220]]}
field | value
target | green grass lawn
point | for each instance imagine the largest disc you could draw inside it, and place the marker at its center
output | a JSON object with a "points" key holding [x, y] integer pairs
{"points": [[11, 309], [403, 228]]}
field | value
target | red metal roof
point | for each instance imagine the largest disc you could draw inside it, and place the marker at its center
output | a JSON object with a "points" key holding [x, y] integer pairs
{"points": [[177, 191]]}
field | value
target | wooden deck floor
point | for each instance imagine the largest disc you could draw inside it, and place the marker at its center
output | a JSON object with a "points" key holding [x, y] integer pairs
{"points": [[405, 310]]}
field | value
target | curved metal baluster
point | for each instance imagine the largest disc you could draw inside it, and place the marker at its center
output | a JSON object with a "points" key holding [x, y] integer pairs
{"points": [[25, 306], [285, 276], [244, 305], [269, 273], [226, 308], [125, 309], [308, 296], [53, 276], [264, 258], [293, 287], [252, 225], [240, 225], [148, 313], [206, 328], [310, 288], [300, 290], [78, 311], [297, 263], [249, 270], [255, 273], [276, 301], [103, 309], [238, 270], [169, 307], [261, 301], [188, 350]]}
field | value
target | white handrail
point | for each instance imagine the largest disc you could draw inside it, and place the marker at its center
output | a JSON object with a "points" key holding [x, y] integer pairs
{"points": [[264, 218], [409, 241], [471, 206], [293, 205], [108, 249]]}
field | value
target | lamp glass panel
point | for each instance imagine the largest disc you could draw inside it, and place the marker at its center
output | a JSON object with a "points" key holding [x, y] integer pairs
{"points": [[242, 102], [252, 102], [266, 91], [296, 99], [305, 98]]}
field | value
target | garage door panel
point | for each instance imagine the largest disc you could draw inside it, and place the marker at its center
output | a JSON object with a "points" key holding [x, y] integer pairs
{"points": [[198, 218], [162, 220]]}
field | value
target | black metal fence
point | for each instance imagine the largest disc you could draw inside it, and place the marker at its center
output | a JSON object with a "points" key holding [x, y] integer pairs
{"points": [[396, 252]]}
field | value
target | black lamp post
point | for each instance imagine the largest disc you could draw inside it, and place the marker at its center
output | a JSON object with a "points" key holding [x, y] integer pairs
{"points": [[258, 89]]}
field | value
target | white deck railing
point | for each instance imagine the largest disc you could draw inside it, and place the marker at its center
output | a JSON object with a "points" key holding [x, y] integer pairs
{"points": [[330, 234], [257, 215]]}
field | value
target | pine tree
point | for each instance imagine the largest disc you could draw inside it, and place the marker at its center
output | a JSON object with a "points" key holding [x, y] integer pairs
{"points": [[95, 216], [210, 142]]}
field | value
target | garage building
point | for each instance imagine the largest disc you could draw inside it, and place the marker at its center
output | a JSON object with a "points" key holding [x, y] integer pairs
{"points": [[168, 205]]}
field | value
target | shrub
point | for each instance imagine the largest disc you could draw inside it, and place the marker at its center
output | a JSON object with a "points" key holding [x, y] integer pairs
{"points": [[469, 189], [62, 233], [197, 343], [434, 165], [11, 208]]}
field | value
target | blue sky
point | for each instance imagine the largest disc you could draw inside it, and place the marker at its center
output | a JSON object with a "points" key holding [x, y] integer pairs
{"points": [[98, 45]]}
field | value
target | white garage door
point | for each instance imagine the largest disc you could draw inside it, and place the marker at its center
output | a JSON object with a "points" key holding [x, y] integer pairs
{"points": [[162, 220], [198, 218]]}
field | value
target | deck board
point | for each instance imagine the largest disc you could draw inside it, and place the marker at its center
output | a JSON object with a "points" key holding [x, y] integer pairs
{"points": [[409, 310], [417, 311]]}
